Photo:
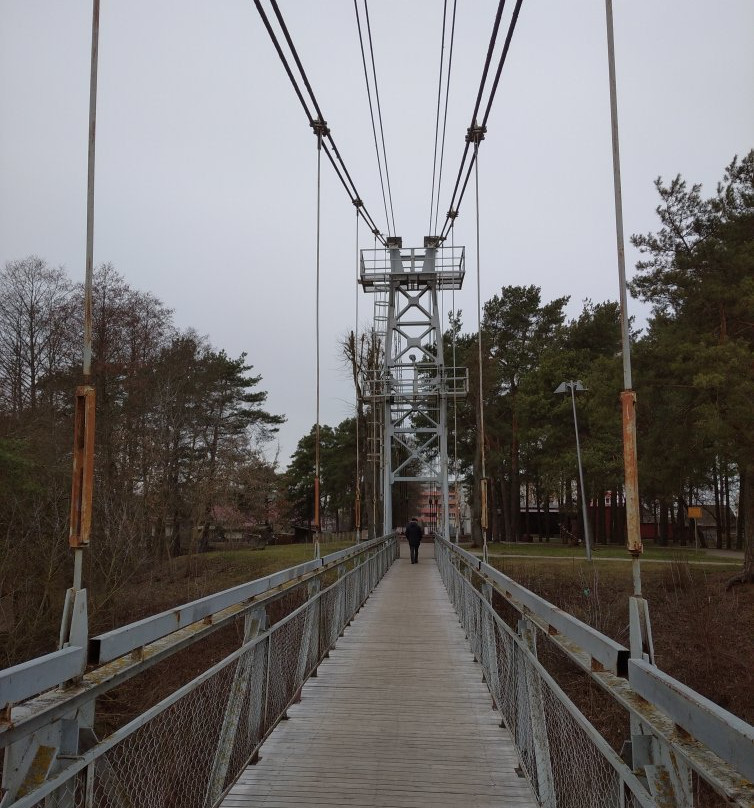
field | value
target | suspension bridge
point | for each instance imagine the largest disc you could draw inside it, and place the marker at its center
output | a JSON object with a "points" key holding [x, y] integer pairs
{"points": [[382, 684], [360, 679]]}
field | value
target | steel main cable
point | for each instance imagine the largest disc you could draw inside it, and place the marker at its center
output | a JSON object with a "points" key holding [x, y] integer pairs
{"points": [[437, 114], [329, 147], [501, 62], [432, 214], [352, 191], [455, 204], [483, 126], [445, 116], [294, 53], [371, 115], [379, 115], [328, 135], [483, 80]]}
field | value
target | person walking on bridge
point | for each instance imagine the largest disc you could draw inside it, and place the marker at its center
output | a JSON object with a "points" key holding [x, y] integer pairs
{"points": [[414, 538]]}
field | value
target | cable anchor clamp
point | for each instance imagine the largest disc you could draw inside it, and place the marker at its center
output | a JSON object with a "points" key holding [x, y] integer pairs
{"points": [[452, 214], [357, 202], [320, 127], [475, 133]]}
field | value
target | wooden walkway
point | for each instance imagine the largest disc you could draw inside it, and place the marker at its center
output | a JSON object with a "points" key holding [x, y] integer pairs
{"points": [[397, 717]]}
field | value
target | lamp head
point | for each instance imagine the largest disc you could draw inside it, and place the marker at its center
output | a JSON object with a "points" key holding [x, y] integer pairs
{"points": [[566, 387]]}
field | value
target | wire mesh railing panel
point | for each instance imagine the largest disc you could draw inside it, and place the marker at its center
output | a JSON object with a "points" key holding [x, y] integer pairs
{"points": [[71, 794], [502, 686], [567, 762], [167, 762], [353, 587], [312, 629], [187, 750], [284, 664], [328, 619], [581, 773], [523, 729]]}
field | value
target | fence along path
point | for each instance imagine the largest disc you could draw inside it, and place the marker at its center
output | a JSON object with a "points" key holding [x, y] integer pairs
{"points": [[397, 716]]}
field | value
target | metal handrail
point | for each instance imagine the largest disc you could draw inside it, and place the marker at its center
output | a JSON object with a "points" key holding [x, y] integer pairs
{"points": [[20, 682], [713, 742], [358, 570]]}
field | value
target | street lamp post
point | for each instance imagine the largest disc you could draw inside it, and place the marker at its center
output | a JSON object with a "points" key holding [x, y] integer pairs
{"points": [[573, 387]]}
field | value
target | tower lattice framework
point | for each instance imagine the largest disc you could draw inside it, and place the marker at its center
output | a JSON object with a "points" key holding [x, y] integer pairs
{"points": [[414, 384]]}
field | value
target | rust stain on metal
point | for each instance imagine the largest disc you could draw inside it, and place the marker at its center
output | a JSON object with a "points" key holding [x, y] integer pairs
{"points": [[630, 464], [37, 771], [683, 732], [316, 522], [596, 665], [664, 793], [483, 502], [83, 467]]}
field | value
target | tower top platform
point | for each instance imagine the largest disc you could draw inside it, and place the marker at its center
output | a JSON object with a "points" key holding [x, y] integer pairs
{"points": [[412, 268]]}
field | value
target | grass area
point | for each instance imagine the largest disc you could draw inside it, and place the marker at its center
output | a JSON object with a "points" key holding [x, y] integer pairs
{"points": [[555, 549], [248, 564], [165, 585]]}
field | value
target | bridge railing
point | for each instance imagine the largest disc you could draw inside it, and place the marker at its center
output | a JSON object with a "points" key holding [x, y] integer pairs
{"points": [[674, 730], [188, 749]]}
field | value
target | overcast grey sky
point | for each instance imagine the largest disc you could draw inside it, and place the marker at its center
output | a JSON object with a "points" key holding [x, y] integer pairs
{"points": [[205, 188]]}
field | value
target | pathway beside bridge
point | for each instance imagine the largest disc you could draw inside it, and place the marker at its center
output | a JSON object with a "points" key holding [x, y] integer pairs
{"points": [[398, 715]]}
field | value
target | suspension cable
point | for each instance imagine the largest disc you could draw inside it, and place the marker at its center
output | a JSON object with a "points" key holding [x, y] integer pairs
{"points": [[320, 129], [457, 197], [371, 115], [379, 116], [437, 114], [445, 116], [356, 357], [485, 70], [329, 147], [455, 403], [373, 414], [483, 478], [501, 61]]}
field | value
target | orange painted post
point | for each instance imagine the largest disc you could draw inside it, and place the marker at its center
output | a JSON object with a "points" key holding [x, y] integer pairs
{"points": [[357, 513], [630, 462], [483, 496], [83, 467]]}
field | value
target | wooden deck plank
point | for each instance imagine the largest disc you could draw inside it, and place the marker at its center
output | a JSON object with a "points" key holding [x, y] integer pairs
{"points": [[398, 716]]}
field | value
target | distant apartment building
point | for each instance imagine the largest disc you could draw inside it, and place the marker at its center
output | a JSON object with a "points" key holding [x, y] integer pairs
{"points": [[430, 508]]}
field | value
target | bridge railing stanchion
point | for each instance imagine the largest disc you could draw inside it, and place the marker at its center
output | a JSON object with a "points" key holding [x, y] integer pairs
{"points": [[309, 634], [537, 717], [254, 623], [489, 647]]}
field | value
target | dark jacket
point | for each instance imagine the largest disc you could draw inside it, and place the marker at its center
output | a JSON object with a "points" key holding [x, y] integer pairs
{"points": [[414, 533]]}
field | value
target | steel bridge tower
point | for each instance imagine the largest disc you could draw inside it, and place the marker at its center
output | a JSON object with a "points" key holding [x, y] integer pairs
{"points": [[413, 385]]}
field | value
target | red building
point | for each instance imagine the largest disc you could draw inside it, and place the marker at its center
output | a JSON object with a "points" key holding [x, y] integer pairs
{"points": [[430, 506]]}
